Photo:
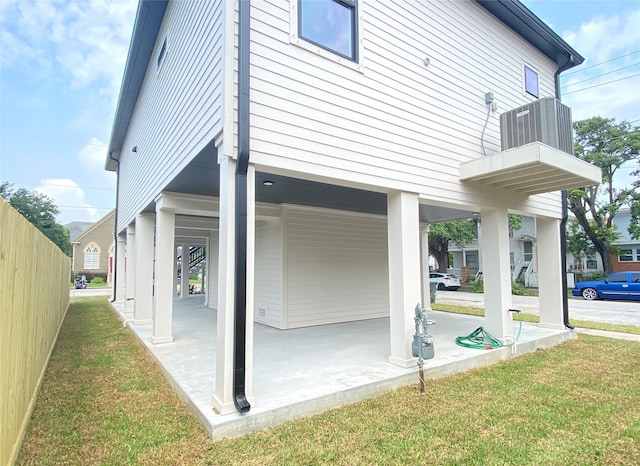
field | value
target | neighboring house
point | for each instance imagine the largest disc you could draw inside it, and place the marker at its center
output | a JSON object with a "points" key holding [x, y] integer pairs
{"points": [[522, 247], [628, 256], [521, 252], [309, 144], [93, 249]]}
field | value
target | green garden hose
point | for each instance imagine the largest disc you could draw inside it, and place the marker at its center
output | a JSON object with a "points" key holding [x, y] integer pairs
{"points": [[481, 339]]}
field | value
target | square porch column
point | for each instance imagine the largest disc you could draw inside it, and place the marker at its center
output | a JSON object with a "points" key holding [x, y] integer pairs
{"points": [[424, 266], [223, 401], [118, 286], [130, 281], [184, 274], [496, 273], [164, 272], [404, 273], [550, 273], [142, 310]]}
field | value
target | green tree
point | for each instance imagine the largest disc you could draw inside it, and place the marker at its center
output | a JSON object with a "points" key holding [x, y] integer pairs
{"points": [[41, 211], [459, 232], [578, 243], [608, 145]]}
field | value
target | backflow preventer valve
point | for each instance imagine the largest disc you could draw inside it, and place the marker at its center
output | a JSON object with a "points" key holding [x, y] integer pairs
{"points": [[422, 345]]}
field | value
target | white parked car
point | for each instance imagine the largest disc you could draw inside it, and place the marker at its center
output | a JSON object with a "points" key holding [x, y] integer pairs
{"points": [[445, 281]]}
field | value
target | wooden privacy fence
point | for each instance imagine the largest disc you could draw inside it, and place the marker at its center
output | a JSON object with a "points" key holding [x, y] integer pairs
{"points": [[34, 296]]}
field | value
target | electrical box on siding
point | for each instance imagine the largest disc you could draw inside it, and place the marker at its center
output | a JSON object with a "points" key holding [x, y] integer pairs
{"points": [[546, 120]]}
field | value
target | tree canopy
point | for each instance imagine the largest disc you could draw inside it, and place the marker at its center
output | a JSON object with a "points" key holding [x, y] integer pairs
{"points": [[40, 210], [611, 146]]}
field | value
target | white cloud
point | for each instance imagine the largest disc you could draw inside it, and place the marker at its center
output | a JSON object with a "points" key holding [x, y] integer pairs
{"points": [[93, 157], [612, 88], [70, 199], [87, 41]]}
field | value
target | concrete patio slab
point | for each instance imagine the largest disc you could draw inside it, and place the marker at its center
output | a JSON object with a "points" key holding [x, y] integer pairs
{"points": [[301, 372]]}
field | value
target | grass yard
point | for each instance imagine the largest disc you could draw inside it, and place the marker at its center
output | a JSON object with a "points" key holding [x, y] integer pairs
{"points": [[104, 401]]}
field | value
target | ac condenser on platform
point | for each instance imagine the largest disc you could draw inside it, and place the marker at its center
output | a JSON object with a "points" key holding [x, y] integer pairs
{"points": [[546, 120]]}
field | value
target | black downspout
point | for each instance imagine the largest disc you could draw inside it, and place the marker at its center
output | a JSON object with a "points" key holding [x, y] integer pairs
{"points": [[242, 166], [115, 230], [565, 213]]}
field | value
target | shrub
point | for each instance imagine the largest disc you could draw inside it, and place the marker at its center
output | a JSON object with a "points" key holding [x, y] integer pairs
{"points": [[518, 289], [477, 286], [97, 280]]}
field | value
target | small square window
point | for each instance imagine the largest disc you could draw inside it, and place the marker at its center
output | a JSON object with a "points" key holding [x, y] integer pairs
{"points": [[531, 81], [331, 24]]}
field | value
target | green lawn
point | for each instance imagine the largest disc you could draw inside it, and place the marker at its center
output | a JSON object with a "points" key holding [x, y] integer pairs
{"points": [[104, 401]]}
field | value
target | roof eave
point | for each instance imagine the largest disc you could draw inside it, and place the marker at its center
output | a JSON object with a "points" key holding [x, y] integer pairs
{"points": [[145, 32], [531, 28]]}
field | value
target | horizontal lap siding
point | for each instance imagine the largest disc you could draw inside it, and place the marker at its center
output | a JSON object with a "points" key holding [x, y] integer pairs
{"points": [[398, 124], [336, 267], [268, 272], [179, 109]]}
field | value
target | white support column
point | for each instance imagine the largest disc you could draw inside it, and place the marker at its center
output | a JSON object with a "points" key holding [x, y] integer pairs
{"points": [[404, 273], [145, 224], [164, 272], [184, 275], [223, 392], [550, 273], [176, 280], [130, 283], [496, 272], [205, 274], [424, 266], [118, 287]]}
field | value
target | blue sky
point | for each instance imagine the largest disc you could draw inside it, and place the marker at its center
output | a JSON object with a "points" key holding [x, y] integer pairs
{"points": [[62, 63]]}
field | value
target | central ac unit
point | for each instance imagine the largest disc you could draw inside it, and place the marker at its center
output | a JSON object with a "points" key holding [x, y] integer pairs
{"points": [[546, 120]]}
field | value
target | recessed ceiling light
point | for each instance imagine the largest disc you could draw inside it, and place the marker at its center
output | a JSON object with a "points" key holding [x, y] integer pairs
{"points": [[267, 183]]}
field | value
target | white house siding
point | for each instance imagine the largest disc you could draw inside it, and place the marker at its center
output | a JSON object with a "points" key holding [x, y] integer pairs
{"points": [[179, 109], [268, 272], [396, 123], [336, 266]]}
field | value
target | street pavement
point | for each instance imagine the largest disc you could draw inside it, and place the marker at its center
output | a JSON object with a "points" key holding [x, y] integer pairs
{"points": [[606, 311]]}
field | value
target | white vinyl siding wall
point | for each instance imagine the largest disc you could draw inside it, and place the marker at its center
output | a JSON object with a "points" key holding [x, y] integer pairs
{"points": [[179, 109], [268, 272], [336, 267], [397, 124]]}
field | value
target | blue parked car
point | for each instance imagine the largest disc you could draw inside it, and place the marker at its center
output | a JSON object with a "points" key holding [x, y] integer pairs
{"points": [[618, 285]]}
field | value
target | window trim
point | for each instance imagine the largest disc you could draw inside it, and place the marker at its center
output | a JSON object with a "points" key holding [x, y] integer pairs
{"points": [[94, 255], [633, 254], [525, 67], [325, 52]]}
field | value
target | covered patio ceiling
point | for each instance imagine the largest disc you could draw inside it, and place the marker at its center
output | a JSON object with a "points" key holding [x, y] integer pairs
{"points": [[202, 176]]}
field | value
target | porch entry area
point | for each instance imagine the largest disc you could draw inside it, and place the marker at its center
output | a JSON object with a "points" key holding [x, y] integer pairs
{"points": [[337, 255], [304, 371]]}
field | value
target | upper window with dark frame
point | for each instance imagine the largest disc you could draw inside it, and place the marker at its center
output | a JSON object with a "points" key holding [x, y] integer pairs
{"points": [[531, 81], [331, 24]]}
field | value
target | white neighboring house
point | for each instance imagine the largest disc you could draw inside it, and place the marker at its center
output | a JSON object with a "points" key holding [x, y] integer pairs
{"points": [[522, 248], [309, 144]]}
